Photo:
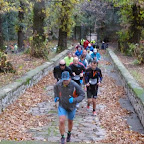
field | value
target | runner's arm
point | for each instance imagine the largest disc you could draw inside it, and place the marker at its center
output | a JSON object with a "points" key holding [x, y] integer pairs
{"points": [[100, 78], [86, 77], [56, 92], [80, 93], [55, 73]]}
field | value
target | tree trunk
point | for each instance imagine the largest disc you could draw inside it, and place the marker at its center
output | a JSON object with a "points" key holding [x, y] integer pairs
{"points": [[62, 41], [135, 30], [20, 31], [38, 29], [1, 37]]}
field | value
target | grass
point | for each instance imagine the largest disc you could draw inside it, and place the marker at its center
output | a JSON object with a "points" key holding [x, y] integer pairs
{"points": [[138, 76]]}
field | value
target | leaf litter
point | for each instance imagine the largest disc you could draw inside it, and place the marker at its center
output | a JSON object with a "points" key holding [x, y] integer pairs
{"points": [[15, 121]]}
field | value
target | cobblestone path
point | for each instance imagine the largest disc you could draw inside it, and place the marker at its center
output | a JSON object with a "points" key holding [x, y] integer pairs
{"points": [[38, 119], [87, 128]]}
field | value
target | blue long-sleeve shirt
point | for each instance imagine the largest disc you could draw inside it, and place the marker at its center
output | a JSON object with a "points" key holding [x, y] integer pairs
{"points": [[96, 56], [78, 53], [89, 48]]}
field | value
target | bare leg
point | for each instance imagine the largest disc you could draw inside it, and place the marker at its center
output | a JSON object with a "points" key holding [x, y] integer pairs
{"points": [[89, 101], [94, 103], [62, 124], [70, 125]]}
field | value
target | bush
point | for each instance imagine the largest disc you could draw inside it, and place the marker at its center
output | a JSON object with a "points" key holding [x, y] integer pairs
{"points": [[136, 62], [5, 66]]}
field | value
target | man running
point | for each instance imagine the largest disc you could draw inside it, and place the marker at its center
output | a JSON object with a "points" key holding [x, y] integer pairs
{"points": [[77, 69], [63, 92], [93, 78], [61, 68], [68, 59]]}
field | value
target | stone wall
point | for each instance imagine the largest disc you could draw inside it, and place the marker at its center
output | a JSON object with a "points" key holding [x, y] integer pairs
{"points": [[9, 93], [134, 92]]}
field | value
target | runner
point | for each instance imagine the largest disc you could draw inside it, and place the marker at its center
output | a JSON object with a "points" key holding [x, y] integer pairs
{"points": [[79, 52], [63, 92], [61, 68], [87, 56], [96, 55], [77, 69], [83, 60], [93, 78], [68, 59]]}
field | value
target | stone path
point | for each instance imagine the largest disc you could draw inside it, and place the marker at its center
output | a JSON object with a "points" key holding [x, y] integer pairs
{"points": [[87, 128]]}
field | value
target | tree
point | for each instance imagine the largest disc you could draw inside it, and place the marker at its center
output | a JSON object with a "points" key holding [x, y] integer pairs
{"points": [[63, 11], [132, 14], [3, 6], [21, 25], [62, 41], [38, 29], [132, 27], [99, 16], [1, 37]]}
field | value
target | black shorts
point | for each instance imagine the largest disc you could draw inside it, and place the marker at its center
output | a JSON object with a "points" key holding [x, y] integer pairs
{"points": [[92, 91]]}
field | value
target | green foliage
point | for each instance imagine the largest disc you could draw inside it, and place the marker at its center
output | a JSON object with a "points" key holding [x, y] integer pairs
{"points": [[27, 51], [140, 53], [123, 40], [136, 62], [1, 54], [5, 66], [132, 19], [9, 22], [62, 13], [137, 50], [132, 48]]}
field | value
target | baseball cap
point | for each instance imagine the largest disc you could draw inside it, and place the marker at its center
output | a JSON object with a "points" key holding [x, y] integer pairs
{"points": [[89, 44], [65, 75], [95, 50]]}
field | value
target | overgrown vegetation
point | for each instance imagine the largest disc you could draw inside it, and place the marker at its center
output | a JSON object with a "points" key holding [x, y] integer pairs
{"points": [[132, 24], [5, 65]]}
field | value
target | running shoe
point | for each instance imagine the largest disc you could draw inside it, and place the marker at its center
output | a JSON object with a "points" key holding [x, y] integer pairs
{"points": [[62, 140], [68, 137], [88, 107], [94, 113]]}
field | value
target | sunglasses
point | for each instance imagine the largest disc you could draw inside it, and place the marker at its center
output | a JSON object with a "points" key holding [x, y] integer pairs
{"points": [[62, 64]]}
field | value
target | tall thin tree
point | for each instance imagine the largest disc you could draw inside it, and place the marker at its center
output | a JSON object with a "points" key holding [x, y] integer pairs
{"points": [[64, 11], [38, 28], [62, 41], [20, 29], [1, 37]]}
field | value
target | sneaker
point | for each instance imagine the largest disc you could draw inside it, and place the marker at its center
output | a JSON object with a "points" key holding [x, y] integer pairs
{"points": [[68, 137], [94, 113], [62, 140], [88, 107]]}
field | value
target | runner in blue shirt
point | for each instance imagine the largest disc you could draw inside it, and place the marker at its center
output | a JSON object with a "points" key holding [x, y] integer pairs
{"points": [[79, 52], [96, 55]]}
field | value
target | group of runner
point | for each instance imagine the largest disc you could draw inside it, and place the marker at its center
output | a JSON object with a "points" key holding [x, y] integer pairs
{"points": [[72, 74]]}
